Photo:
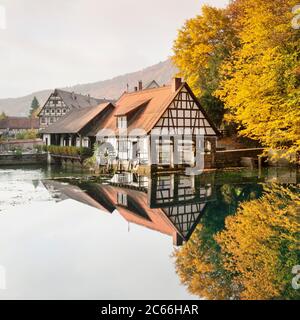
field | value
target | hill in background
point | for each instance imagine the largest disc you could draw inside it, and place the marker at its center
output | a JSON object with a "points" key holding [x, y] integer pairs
{"points": [[110, 89]]}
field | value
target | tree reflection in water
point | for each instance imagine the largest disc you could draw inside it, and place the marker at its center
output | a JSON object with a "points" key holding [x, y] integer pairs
{"points": [[240, 235], [252, 256]]}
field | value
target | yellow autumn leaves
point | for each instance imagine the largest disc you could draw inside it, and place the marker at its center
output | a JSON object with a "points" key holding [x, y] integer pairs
{"points": [[252, 52], [259, 244], [256, 251]]}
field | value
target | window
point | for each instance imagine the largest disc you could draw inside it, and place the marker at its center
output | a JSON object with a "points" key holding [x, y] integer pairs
{"points": [[122, 122], [43, 120], [122, 199], [123, 145], [207, 146], [86, 142]]}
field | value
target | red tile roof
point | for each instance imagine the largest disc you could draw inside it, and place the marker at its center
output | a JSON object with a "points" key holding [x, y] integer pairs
{"points": [[125, 110], [146, 107]]}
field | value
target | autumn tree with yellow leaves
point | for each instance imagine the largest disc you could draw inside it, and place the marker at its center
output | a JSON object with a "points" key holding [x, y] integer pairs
{"points": [[200, 48], [244, 59], [260, 83]]}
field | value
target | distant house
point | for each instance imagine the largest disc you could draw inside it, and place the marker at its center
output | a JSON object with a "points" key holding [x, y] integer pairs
{"points": [[151, 85], [14, 125], [158, 127], [62, 102], [74, 128]]}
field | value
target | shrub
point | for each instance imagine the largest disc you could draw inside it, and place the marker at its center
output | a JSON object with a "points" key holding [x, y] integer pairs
{"points": [[28, 134], [39, 148], [83, 152], [18, 152]]}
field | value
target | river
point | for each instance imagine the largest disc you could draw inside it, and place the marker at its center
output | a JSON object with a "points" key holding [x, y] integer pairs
{"points": [[222, 235]]}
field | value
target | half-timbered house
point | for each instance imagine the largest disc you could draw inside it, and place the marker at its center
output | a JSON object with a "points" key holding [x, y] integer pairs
{"points": [[163, 127], [73, 129], [61, 102]]}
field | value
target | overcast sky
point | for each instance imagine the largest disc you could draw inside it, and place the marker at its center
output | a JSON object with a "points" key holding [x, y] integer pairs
{"points": [[56, 43]]}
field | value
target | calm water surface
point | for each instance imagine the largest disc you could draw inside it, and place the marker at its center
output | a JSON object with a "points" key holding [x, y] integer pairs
{"points": [[224, 235]]}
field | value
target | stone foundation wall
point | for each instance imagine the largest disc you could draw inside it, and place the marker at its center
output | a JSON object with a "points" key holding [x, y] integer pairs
{"points": [[232, 158], [23, 159], [24, 145]]}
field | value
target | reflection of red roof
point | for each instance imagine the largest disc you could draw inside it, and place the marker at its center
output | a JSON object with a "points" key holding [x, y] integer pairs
{"points": [[156, 219], [69, 191]]}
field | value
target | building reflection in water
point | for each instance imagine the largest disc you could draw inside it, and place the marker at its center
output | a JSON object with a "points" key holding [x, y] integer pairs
{"points": [[170, 204], [222, 214], [173, 203]]}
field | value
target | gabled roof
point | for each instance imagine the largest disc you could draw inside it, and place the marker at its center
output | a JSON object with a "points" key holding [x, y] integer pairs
{"points": [[156, 101], [151, 85], [76, 120], [76, 100], [144, 118], [19, 123]]}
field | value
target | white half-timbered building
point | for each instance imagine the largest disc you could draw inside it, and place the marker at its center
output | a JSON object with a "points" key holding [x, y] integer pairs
{"points": [[163, 127]]}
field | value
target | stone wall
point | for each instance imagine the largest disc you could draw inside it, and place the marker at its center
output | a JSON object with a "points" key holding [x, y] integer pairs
{"points": [[23, 159], [232, 158], [6, 146]]}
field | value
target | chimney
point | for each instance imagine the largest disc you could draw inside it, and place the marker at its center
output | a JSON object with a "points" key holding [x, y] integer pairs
{"points": [[140, 85], [73, 95], [176, 83]]}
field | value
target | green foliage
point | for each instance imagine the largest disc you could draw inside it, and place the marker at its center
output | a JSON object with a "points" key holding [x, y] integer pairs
{"points": [[35, 105], [69, 151], [3, 115], [18, 152], [27, 135], [91, 162]]}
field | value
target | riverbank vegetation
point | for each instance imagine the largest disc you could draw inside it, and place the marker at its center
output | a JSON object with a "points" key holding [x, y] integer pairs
{"points": [[27, 135], [69, 151]]}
